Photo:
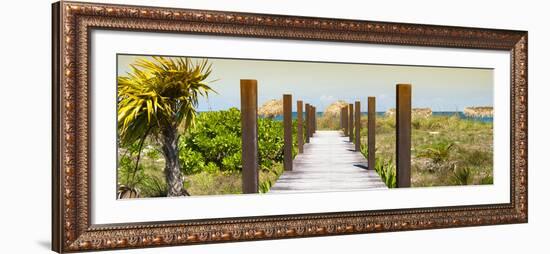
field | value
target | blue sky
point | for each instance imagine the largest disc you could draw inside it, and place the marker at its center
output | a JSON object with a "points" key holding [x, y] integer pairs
{"points": [[439, 88]]}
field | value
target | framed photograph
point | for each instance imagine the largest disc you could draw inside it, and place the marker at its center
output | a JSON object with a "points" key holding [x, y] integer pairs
{"points": [[177, 126]]}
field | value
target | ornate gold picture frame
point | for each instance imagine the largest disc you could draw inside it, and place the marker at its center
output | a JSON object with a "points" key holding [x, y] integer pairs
{"points": [[72, 229]]}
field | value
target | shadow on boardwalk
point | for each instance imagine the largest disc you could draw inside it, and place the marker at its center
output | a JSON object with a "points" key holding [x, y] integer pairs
{"points": [[329, 163]]}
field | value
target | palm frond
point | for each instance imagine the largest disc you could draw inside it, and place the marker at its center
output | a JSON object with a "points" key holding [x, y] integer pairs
{"points": [[160, 92]]}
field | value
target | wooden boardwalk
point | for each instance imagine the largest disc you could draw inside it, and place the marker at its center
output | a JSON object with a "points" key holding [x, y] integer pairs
{"points": [[329, 163]]}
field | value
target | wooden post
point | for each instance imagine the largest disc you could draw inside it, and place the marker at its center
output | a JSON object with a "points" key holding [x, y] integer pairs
{"points": [[300, 126], [345, 113], [341, 118], [287, 123], [357, 126], [311, 121], [403, 135], [307, 122], [350, 124], [314, 119], [249, 125], [371, 139]]}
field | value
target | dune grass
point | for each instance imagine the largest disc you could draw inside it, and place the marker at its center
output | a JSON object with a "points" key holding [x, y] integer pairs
{"points": [[446, 150], [151, 182]]}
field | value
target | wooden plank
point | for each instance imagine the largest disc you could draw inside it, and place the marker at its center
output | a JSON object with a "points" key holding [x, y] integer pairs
{"points": [[328, 164], [357, 126], [351, 123], [403, 135], [287, 129], [300, 126], [249, 125], [371, 138]]}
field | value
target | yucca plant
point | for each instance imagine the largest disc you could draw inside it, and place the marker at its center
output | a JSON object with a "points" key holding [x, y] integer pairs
{"points": [[156, 98]]}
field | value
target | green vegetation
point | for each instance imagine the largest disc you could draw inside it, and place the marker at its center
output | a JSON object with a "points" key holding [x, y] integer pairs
{"points": [[328, 122], [446, 150], [386, 170], [154, 100], [438, 152], [166, 148], [462, 176], [209, 157]]}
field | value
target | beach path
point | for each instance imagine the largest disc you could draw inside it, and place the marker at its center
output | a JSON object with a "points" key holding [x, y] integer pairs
{"points": [[329, 163]]}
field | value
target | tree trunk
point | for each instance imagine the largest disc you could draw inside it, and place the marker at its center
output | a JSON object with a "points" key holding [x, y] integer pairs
{"points": [[174, 178]]}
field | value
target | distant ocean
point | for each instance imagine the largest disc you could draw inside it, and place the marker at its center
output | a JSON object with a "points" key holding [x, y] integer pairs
{"points": [[441, 113]]}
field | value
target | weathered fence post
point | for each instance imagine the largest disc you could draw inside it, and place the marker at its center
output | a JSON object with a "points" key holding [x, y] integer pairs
{"points": [[307, 122], [371, 139], [311, 121], [357, 126], [287, 124], [350, 124], [314, 119], [341, 119], [249, 125], [345, 114], [403, 135], [300, 126]]}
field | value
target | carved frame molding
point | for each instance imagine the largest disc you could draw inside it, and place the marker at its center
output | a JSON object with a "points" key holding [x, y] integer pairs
{"points": [[71, 226]]}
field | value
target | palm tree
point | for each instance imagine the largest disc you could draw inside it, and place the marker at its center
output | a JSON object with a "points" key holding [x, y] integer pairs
{"points": [[155, 99]]}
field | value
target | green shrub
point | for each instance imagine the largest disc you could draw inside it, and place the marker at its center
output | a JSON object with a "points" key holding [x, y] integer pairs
{"points": [[217, 138], [233, 162], [216, 135], [211, 167], [191, 161], [270, 142], [214, 143], [438, 152], [387, 171]]}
